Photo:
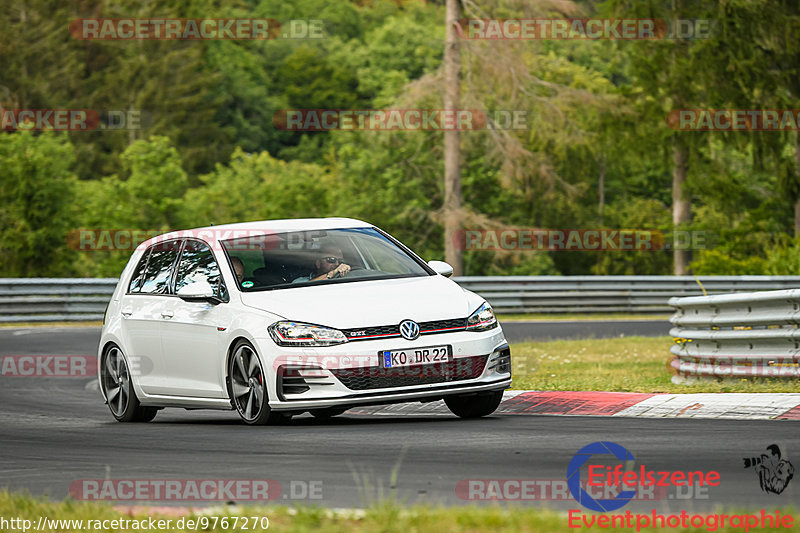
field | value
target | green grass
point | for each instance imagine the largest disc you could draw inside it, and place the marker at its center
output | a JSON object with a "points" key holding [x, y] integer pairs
{"points": [[388, 518], [578, 317], [630, 364]]}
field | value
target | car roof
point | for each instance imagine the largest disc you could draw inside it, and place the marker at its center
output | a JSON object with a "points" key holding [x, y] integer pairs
{"points": [[244, 229]]}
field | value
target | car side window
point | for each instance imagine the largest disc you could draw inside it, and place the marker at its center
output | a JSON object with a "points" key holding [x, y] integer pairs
{"points": [[136, 280], [198, 264], [159, 268]]}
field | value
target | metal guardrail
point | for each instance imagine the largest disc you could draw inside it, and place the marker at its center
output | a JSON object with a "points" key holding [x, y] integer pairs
{"points": [[737, 335], [608, 294], [54, 299], [68, 299]]}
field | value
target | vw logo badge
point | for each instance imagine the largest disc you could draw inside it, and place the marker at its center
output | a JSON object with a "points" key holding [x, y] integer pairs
{"points": [[409, 329]]}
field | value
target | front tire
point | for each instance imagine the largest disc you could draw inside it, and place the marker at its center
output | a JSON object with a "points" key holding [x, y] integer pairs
{"points": [[474, 405], [248, 387], [115, 378]]}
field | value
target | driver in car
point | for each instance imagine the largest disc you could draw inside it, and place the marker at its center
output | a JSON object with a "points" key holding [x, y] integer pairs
{"points": [[328, 265], [238, 268]]}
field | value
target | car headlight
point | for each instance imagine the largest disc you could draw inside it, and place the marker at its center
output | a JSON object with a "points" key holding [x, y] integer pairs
{"points": [[288, 333], [482, 319]]}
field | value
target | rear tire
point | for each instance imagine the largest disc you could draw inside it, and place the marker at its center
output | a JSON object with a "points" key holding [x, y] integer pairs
{"points": [[117, 383], [248, 388], [474, 405]]}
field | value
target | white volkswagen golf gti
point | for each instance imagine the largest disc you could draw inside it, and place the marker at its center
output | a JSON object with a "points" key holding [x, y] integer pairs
{"points": [[278, 318]]}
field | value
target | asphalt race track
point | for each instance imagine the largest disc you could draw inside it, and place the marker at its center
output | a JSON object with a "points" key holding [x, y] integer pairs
{"points": [[56, 431]]}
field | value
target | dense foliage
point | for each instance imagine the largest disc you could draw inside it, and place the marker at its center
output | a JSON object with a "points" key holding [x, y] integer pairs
{"points": [[597, 152]]}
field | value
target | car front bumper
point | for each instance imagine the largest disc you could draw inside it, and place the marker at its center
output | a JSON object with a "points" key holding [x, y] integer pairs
{"points": [[351, 374]]}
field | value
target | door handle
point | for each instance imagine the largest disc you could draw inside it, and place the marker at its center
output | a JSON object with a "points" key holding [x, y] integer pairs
{"points": [[166, 314], [126, 313]]}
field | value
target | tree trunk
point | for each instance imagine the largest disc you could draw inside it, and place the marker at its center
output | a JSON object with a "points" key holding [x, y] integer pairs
{"points": [[797, 217], [452, 156], [601, 189], [681, 207]]}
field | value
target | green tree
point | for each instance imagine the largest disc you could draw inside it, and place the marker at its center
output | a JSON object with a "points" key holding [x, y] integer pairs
{"points": [[36, 195], [146, 197], [257, 187]]}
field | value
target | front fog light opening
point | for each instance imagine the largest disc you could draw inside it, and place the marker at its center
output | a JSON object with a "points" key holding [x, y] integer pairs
{"points": [[299, 379], [501, 361]]}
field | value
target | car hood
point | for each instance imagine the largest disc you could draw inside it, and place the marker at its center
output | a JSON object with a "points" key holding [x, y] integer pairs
{"points": [[368, 303]]}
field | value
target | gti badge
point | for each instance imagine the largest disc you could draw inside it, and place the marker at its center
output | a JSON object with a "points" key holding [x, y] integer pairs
{"points": [[409, 329]]}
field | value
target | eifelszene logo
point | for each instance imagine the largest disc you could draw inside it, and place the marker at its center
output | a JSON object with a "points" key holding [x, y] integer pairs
{"points": [[623, 475], [574, 476], [774, 472]]}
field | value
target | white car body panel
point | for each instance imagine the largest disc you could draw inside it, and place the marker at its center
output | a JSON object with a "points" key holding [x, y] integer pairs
{"points": [[369, 303]]}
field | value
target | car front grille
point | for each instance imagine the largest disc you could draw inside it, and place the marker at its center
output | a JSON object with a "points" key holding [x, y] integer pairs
{"points": [[425, 328], [376, 377]]}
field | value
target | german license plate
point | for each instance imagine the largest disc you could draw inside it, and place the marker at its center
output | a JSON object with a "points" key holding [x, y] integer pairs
{"points": [[416, 356]]}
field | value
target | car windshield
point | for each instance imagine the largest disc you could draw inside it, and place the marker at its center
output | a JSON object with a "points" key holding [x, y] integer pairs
{"points": [[303, 258]]}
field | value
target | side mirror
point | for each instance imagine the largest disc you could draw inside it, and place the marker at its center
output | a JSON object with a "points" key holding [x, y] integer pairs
{"points": [[199, 291], [440, 267]]}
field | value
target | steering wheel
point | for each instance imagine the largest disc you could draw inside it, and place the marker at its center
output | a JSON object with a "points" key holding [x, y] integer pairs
{"points": [[339, 274]]}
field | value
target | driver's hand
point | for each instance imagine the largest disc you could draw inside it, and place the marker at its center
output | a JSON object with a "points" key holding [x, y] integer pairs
{"points": [[342, 269]]}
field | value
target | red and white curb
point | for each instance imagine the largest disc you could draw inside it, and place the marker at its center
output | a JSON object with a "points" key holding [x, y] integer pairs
{"points": [[761, 406]]}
